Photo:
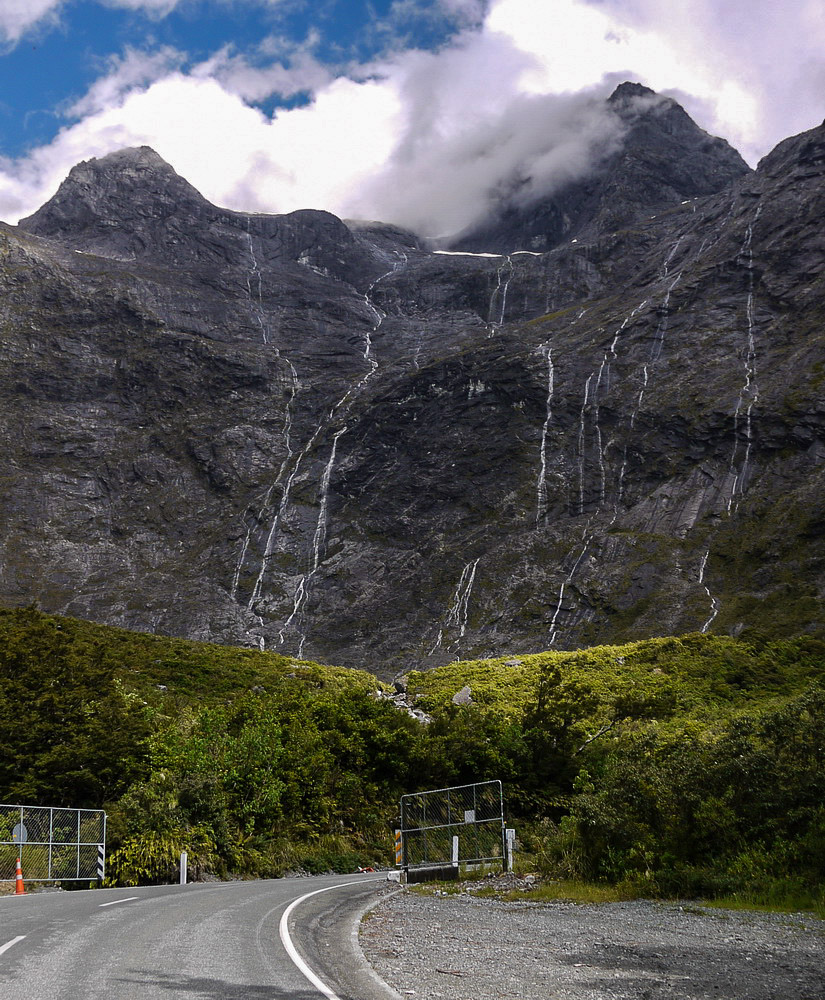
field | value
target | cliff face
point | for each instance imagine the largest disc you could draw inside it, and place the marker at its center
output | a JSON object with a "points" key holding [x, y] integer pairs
{"points": [[329, 440]]}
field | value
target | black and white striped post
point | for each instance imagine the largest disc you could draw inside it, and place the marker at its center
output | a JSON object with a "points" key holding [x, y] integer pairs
{"points": [[101, 863]]}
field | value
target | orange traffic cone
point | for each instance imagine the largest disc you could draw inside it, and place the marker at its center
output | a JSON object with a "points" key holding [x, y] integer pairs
{"points": [[19, 888]]}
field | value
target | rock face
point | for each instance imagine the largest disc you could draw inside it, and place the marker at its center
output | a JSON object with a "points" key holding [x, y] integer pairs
{"points": [[664, 158], [325, 438]]}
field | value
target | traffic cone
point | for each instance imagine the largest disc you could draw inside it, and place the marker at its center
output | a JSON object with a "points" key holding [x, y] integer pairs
{"points": [[19, 888]]}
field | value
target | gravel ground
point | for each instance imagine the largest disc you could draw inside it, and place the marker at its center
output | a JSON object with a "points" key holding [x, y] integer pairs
{"points": [[462, 947]]}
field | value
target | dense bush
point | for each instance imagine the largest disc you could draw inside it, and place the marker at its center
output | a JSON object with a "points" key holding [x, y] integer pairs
{"points": [[670, 766]]}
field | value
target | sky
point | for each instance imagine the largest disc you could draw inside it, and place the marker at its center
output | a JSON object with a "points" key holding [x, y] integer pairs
{"points": [[410, 111]]}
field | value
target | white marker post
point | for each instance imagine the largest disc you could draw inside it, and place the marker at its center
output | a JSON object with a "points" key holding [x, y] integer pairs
{"points": [[511, 847], [184, 857]]}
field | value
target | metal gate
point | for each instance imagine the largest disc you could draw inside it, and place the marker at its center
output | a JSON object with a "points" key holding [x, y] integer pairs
{"points": [[53, 844], [453, 826]]}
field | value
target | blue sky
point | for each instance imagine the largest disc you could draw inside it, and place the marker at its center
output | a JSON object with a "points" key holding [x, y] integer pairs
{"points": [[58, 59], [412, 111]]}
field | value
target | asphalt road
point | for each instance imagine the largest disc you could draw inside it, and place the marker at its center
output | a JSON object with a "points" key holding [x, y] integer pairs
{"points": [[220, 941]]}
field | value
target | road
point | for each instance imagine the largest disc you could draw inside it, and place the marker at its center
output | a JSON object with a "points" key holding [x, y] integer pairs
{"points": [[219, 941]]}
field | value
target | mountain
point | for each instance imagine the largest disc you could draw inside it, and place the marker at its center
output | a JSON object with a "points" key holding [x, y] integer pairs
{"points": [[663, 159], [328, 439]]}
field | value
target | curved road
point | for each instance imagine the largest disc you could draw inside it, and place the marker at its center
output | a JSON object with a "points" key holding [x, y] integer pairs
{"points": [[219, 941]]}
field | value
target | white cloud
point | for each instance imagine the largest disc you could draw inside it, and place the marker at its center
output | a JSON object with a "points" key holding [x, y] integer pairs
{"points": [[127, 73], [19, 16], [425, 137], [465, 129], [298, 71], [305, 158], [157, 7], [750, 70]]}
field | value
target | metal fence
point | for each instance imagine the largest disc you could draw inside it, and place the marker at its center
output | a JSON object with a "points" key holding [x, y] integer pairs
{"points": [[453, 826], [54, 845]]}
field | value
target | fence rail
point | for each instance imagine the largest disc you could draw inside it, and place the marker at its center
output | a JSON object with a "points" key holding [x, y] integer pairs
{"points": [[53, 844], [459, 825]]}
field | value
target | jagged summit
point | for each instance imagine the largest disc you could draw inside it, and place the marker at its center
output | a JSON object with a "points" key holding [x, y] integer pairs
{"points": [[664, 158], [138, 156], [628, 91], [327, 440], [123, 205]]}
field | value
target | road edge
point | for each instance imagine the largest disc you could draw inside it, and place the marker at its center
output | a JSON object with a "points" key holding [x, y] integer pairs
{"points": [[358, 951]]}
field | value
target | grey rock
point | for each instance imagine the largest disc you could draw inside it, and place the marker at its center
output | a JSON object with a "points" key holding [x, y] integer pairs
{"points": [[463, 697], [325, 439]]}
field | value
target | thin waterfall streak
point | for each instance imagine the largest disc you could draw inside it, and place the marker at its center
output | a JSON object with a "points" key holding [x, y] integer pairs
{"points": [[302, 590], [565, 584], [749, 393], [276, 521], [702, 565], [541, 486], [319, 536], [552, 637], [664, 315], [638, 406], [457, 616], [672, 254], [255, 274], [321, 527], [499, 294], [714, 603], [379, 316], [297, 601], [437, 643], [582, 441], [236, 577], [620, 482], [597, 430], [504, 292], [602, 472], [714, 606], [281, 470]]}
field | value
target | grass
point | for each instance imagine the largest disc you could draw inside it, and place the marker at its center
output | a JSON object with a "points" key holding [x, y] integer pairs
{"points": [[568, 892], [783, 900]]}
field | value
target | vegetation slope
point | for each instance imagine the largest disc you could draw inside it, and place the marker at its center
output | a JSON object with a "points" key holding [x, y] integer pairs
{"points": [[675, 766]]}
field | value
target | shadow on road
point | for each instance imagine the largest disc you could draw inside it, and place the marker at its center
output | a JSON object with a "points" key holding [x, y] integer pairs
{"points": [[217, 989]]}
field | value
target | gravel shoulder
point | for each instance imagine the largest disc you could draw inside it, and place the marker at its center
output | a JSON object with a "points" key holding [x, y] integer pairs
{"points": [[464, 947]]}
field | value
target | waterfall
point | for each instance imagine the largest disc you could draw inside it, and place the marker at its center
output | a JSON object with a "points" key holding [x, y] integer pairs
{"points": [[500, 293], [714, 603], [664, 315], [566, 583], [597, 430], [277, 520], [296, 385], [749, 393], [254, 276], [339, 409], [582, 441], [318, 539], [541, 485], [458, 613]]}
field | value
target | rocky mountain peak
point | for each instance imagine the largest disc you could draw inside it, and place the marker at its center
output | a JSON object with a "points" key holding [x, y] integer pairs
{"points": [[629, 91], [664, 158], [334, 442], [114, 205], [800, 156]]}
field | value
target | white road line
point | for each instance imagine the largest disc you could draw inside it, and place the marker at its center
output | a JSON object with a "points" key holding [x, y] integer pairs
{"points": [[292, 951], [8, 944], [114, 902]]}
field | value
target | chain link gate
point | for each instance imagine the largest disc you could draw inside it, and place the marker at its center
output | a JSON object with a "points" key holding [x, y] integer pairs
{"points": [[453, 826], [53, 844]]}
